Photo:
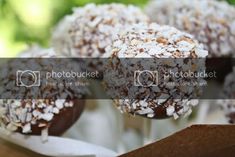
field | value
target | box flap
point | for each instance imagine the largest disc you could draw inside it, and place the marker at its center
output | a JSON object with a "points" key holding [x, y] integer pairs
{"points": [[194, 141]]}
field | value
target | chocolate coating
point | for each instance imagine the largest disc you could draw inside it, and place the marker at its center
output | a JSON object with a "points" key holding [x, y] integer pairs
{"points": [[32, 113], [228, 103], [231, 117], [62, 121], [158, 100], [159, 113]]}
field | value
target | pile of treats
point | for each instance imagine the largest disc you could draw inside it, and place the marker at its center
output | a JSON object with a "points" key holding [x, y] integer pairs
{"points": [[118, 31]]}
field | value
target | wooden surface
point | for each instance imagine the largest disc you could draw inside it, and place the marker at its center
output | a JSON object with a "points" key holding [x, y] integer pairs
{"points": [[10, 150], [195, 141]]}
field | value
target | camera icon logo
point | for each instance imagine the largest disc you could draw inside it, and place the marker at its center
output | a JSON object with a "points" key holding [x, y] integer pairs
{"points": [[145, 78], [28, 78]]}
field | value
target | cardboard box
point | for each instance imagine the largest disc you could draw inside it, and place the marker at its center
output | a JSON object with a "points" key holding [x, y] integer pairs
{"points": [[194, 141]]}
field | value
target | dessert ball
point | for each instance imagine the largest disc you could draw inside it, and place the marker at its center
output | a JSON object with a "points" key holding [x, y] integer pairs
{"points": [[228, 103], [46, 109], [89, 30], [132, 50], [211, 22]]}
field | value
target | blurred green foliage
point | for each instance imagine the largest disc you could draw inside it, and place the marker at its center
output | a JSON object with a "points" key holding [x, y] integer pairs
{"points": [[25, 22], [231, 1]]}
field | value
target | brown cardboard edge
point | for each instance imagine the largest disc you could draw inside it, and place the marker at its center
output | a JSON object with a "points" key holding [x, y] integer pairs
{"points": [[194, 141]]}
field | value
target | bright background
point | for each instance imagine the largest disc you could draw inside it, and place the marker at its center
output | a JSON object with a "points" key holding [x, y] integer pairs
{"points": [[26, 22]]}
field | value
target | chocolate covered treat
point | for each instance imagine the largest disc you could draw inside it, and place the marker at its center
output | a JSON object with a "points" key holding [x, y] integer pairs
{"points": [[47, 110], [89, 30], [228, 104], [155, 42], [212, 22]]}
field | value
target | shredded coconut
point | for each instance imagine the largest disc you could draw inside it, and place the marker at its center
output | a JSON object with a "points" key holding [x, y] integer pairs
{"points": [[89, 30], [151, 41], [22, 114], [210, 21]]}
